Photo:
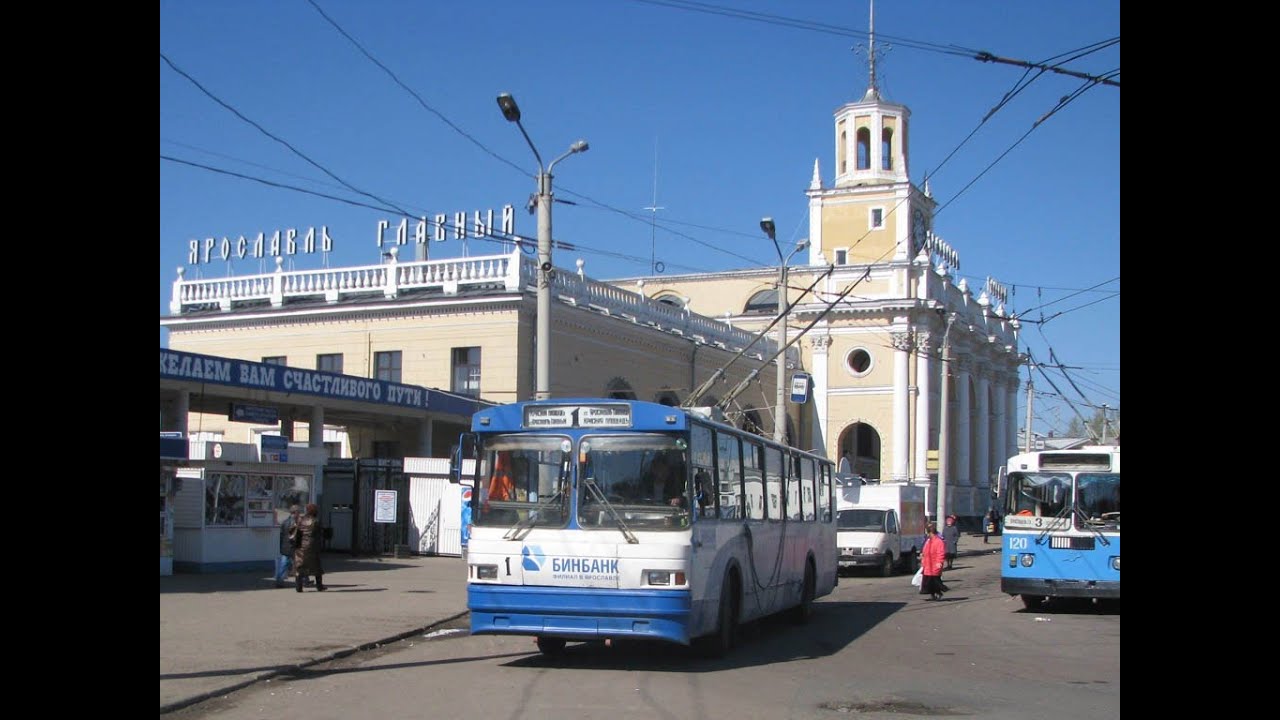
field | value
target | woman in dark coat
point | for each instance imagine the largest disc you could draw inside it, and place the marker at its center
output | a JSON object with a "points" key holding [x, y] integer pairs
{"points": [[306, 548], [951, 540]]}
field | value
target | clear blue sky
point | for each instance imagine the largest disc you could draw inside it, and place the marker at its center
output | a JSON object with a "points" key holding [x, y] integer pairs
{"points": [[730, 110]]}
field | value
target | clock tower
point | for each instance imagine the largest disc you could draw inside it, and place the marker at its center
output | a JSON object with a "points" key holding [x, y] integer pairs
{"points": [[871, 213]]}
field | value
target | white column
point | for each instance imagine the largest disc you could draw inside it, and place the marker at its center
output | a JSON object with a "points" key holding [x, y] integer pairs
{"points": [[315, 431], [425, 432], [962, 420], [820, 345], [901, 433], [998, 422], [924, 370], [181, 412], [982, 427]]}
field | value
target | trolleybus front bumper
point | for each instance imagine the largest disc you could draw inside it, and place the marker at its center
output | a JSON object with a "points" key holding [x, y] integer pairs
{"points": [[579, 613], [1061, 588]]}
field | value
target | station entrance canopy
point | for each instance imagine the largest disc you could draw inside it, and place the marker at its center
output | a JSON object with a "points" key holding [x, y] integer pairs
{"points": [[214, 384]]}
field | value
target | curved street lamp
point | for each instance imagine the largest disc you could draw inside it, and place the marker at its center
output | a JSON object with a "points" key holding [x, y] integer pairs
{"points": [[511, 111], [780, 421]]}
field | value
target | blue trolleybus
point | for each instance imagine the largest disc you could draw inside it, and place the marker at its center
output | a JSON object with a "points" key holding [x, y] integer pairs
{"points": [[596, 519], [1062, 525]]}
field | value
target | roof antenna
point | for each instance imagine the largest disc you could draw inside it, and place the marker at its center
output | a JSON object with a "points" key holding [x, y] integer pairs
{"points": [[653, 218]]}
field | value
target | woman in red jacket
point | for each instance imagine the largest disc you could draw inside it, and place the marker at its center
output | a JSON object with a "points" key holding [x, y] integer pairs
{"points": [[932, 558]]}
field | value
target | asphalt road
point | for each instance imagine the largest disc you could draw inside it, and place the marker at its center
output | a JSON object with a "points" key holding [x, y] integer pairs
{"points": [[874, 648]]}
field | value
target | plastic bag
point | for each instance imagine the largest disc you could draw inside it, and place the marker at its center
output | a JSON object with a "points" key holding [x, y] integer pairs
{"points": [[918, 578]]}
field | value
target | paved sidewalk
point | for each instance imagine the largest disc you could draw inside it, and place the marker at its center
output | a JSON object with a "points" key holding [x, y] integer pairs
{"points": [[220, 632]]}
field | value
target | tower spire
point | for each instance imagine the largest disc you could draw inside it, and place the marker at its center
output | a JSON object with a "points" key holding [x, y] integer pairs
{"points": [[871, 53], [873, 88]]}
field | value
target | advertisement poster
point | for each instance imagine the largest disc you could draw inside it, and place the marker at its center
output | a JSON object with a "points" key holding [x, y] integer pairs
{"points": [[384, 506]]}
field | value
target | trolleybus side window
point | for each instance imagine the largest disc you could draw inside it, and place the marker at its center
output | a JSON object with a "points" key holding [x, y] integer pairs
{"points": [[729, 464], [806, 488], [793, 487], [773, 470], [824, 492], [702, 456], [753, 470]]}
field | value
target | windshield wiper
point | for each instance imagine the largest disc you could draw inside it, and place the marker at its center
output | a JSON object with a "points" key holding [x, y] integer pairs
{"points": [[1086, 522], [1062, 515], [515, 531], [594, 489]]}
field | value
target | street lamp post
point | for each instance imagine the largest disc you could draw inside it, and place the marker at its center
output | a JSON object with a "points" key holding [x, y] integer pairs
{"points": [[780, 413], [546, 272]]}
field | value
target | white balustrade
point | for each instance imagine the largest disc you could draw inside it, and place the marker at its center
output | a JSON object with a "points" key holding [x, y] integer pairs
{"points": [[513, 272]]}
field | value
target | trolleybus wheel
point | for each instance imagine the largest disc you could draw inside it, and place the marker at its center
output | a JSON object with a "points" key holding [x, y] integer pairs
{"points": [[717, 645], [551, 646], [801, 613]]}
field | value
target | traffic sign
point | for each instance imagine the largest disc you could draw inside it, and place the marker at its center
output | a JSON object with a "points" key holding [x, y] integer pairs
{"points": [[800, 388]]}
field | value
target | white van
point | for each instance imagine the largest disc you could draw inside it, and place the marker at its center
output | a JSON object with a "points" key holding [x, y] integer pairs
{"points": [[880, 526]]}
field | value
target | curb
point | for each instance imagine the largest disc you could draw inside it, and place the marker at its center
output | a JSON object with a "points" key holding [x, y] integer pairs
{"points": [[287, 669]]}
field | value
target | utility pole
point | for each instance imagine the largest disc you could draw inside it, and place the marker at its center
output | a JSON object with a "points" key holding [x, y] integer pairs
{"points": [[1027, 440], [1104, 423], [944, 422]]}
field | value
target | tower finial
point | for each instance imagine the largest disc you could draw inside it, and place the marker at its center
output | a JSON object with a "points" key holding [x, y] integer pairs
{"points": [[873, 88], [871, 51]]}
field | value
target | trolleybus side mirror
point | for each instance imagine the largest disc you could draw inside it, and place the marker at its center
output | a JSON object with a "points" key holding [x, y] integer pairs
{"points": [[465, 450]]}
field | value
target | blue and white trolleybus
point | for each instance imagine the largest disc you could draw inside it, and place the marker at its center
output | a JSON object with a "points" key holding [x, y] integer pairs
{"points": [[600, 518], [1062, 525]]}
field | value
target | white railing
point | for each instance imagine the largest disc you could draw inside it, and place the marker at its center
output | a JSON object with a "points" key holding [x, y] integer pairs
{"points": [[510, 273], [612, 300], [387, 280]]}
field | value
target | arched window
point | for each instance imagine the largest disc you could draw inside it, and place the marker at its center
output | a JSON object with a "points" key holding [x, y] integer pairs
{"points": [[886, 148], [668, 398], [674, 301], [619, 389], [844, 163], [764, 302], [750, 422], [864, 148]]}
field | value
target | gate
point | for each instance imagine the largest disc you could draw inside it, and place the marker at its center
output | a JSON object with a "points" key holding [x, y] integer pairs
{"points": [[374, 538]]}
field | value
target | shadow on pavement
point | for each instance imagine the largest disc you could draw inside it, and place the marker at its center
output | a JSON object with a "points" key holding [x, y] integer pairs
{"points": [[764, 642]]}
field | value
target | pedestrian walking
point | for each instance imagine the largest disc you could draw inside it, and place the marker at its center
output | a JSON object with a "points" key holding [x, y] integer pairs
{"points": [[990, 524], [285, 560], [932, 558], [951, 540], [306, 553]]}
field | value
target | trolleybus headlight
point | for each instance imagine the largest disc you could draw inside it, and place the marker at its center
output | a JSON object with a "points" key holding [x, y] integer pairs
{"points": [[664, 577], [486, 572], [1028, 559], [1115, 563]]}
